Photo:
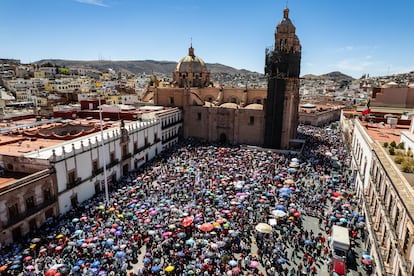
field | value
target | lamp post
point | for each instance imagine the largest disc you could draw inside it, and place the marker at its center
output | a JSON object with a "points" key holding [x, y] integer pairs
{"points": [[102, 153]]}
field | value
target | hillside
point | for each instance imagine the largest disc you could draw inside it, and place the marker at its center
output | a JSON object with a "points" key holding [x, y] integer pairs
{"points": [[335, 76], [140, 66]]}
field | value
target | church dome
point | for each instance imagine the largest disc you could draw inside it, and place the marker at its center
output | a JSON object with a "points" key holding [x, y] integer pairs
{"points": [[191, 63], [191, 71]]}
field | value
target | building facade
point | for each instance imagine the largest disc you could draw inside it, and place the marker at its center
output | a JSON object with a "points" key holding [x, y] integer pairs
{"points": [[237, 115], [386, 200], [27, 202]]}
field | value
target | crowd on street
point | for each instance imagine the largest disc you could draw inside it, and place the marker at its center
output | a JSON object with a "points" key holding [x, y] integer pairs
{"points": [[203, 209]]}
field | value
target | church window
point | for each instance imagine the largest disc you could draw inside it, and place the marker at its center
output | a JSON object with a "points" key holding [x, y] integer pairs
{"points": [[251, 120], [171, 100], [259, 101], [199, 116]]}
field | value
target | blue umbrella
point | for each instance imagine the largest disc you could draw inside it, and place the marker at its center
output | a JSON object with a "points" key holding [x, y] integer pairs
{"points": [[80, 262], [15, 266], [280, 207], [343, 220], [78, 232], [155, 269], [181, 235], [361, 219], [284, 195], [146, 261], [333, 218], [189, 242], [292, 170], [308, 242], [75, 268], [281, 261], [285, 190], [180, 254], [120, 254], [109, 242], [96, 264]]}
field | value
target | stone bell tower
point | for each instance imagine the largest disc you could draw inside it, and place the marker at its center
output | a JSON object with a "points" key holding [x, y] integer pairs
{"points": [[282, 70]]}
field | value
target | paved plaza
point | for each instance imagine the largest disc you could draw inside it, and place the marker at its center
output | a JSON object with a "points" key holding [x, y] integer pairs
{"points": [[207, 210]]}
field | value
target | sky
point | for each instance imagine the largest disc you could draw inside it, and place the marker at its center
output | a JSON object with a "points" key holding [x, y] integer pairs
{"points": [[354, 37]]}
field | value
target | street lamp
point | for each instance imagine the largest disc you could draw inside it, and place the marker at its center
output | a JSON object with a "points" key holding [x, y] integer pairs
{"points": [[102, 153]]}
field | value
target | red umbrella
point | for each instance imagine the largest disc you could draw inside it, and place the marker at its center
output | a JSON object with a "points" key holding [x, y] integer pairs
{"points": [[366, 261], [187, 221], [52, 272], [336, 194], [206, 227], [27, 258]]}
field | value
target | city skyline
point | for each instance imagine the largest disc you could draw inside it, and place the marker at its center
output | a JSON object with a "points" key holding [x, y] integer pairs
{"points": [[350, 36]]}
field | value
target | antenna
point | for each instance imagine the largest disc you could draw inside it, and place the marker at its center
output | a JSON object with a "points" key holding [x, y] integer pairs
{"points": [[287, 3], [191, 42]]}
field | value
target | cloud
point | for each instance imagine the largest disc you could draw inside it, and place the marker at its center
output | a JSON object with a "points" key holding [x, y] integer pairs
{"points": [[354, 65], [345, 49], [99, 3]]}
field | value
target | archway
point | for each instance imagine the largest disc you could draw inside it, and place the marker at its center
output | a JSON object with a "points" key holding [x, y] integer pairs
{"points": [[223, 138]]}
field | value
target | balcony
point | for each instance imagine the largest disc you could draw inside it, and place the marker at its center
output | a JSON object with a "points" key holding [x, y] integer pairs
{"points": [[126, 156], [97, 171], [171, 124], [30, 211], [75, 183], [112, 164]]}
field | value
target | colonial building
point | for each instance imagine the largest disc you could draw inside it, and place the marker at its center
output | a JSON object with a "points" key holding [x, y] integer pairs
{"points": [[236, 115], [49, 167], [386, 196], [28, 196]]}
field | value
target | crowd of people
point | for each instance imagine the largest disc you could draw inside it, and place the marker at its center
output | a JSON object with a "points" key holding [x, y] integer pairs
{"points": [[204, 209]]}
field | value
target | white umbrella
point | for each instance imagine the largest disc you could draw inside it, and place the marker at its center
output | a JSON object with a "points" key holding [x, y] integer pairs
{"points": [[279, 213], [263, 228]]}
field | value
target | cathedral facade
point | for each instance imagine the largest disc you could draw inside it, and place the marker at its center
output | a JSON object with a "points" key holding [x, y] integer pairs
{"points": [[261, 117]]}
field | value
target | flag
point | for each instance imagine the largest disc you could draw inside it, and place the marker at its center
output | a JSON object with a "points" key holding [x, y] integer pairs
{"points": [[366, 109]]}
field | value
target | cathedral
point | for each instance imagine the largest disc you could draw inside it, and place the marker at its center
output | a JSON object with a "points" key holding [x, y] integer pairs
{"points": [[261, 117]]}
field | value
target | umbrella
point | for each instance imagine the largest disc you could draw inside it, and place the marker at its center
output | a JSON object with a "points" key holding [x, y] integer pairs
{"points": [[78, 232], [263, 228], [75, 220], [96, 264], [27, 258], [232, 263], [59, 236], [80, 262], [254, 264], [280, 207], [76, 268], [279, 213], [30, 267], [155, 269], [206, 227], [169, 268], [366, 261], [272, 222], [181, 235], [189, 242], [343, 220], [36, 240], [281, 261], [120, 254], [187, 221]]}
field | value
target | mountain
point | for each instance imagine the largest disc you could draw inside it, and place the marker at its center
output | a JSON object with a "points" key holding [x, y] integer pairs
{"points": [[139, 66], [335, 76]]}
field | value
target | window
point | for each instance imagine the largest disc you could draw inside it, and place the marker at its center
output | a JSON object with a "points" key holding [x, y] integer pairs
{"points": [[199, 116], [30, 203], [251, 120], [146, 141], [135, 147], [259, 101], [112, 157], [47, 195], [94, 165], [13, 211], [124, 150], [171, 100], [71, 177]]}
